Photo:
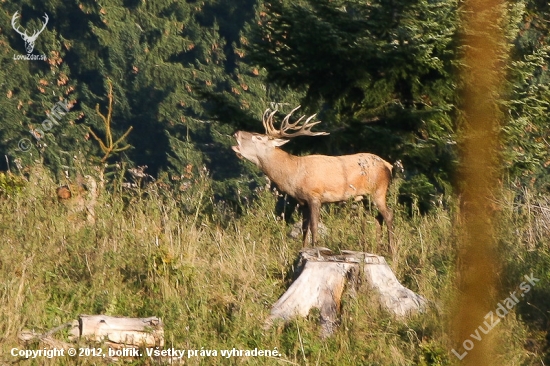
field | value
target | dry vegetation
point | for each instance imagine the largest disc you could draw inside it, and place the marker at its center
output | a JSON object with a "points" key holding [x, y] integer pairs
{"points": [[212, 276]]}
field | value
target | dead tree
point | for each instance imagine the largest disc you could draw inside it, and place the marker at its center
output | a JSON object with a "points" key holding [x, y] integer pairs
{"points": [[109, 146]]}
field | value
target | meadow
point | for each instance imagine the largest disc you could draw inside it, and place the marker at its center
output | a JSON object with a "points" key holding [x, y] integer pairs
{"points": [[212, 275]]}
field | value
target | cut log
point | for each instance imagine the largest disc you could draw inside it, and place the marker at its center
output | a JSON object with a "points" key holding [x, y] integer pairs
{"points": [[120, 332], [321, 281]]}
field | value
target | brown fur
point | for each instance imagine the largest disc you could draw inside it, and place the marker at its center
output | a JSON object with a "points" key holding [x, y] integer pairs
{"points": [[317, 179]]}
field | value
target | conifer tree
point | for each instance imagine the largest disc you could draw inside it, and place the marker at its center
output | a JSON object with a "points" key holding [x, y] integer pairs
{"points": [[381, 72], [186, 75], [527, 102], [40, 121], [385, 74]]}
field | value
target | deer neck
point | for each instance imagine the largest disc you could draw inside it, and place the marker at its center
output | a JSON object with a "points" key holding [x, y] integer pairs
{"points": [[279, 165]]}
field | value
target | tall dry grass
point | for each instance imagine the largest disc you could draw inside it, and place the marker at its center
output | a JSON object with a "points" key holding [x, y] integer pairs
{"points": [[212, 276]]}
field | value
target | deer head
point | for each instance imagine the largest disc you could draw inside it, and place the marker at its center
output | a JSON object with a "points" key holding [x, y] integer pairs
{"points": [[254, 146], [29, 40]]}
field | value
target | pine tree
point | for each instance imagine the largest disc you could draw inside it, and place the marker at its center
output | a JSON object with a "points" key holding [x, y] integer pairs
{"points": [[40, 121], [381, 76], [527, 102]]}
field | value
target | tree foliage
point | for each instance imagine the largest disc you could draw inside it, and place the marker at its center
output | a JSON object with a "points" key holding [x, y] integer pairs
{"points": [[527, 100], [381, 75], [381, 72], [388, 78]]}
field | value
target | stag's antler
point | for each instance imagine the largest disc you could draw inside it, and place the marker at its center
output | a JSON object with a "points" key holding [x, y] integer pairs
{"points": [[303, 130]]}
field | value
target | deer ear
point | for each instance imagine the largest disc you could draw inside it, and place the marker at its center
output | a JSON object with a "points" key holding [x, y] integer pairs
{"points": [[279, 142]]}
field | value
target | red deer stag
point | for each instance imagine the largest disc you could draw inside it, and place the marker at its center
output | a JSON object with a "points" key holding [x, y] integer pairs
{"points": [[316, 179]]}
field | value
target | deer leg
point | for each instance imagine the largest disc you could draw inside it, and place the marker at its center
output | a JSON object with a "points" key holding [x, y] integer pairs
{"points": [[305, 223], [314, 212], [379, 220], [388, 218], [385, 214], [365, 237]]}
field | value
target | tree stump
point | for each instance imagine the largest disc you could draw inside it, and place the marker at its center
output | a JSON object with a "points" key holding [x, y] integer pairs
{"points": [[321, 281]]}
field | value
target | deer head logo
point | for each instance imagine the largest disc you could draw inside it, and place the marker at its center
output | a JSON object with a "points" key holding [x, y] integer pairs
{"points": [[29, 40]]}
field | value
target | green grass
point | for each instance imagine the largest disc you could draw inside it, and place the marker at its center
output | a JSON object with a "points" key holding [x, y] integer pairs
{"points": [[212, 277]]}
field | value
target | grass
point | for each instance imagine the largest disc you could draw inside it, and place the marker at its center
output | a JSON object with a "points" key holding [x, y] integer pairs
{"points": [[212, 276]]}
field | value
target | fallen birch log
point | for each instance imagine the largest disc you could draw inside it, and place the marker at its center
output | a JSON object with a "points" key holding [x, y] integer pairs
{"points": [[115, 332], [119, 332], [321, 281]]}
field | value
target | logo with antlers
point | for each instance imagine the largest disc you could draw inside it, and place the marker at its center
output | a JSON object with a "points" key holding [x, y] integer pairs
{"points": [[29, 40]]}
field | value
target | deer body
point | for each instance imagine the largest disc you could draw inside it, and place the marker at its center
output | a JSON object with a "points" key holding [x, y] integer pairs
{"points": [[317, 179], [326, 178]]}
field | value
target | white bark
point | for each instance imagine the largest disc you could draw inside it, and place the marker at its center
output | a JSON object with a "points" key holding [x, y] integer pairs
{"points": [[321, 283], [142, 332]]}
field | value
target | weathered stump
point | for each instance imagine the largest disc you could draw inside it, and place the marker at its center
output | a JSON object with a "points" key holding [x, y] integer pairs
{"points": [[321, 281]]}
